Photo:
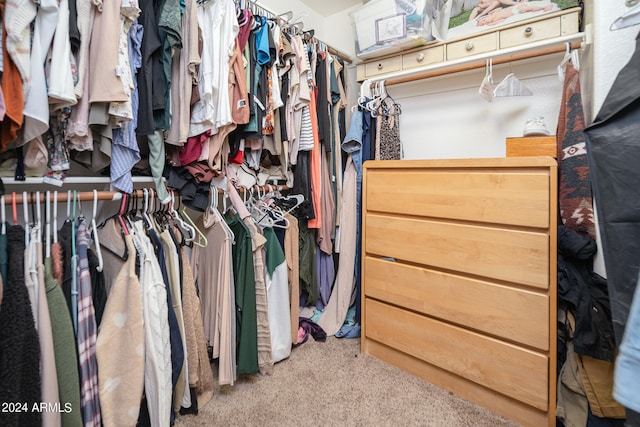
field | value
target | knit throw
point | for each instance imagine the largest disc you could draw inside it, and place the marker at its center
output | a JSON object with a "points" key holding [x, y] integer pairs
{"points": [[575, 198]]}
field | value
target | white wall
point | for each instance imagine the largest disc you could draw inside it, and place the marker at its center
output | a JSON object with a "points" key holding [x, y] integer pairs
{"points": [[445, 117]]}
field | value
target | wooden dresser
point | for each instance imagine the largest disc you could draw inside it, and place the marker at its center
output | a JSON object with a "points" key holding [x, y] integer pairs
{"points": [[459, 277]]}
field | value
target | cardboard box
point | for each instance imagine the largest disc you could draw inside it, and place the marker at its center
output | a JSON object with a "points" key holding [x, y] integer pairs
{"points": [[532, 146]]}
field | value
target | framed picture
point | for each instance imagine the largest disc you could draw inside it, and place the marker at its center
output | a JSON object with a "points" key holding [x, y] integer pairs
{"points": [[471, 16], [391, 28]]}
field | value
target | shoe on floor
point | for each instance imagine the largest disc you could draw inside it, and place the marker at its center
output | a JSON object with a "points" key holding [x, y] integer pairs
{"points": [[535, 127]]}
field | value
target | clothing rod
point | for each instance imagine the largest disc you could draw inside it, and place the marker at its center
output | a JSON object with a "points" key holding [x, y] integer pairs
{"points": [[346, 58], [87, 196], [465, 64]]}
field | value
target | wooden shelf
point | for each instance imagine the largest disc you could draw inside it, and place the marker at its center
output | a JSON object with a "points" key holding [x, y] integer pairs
{"points": [[545, 35]]}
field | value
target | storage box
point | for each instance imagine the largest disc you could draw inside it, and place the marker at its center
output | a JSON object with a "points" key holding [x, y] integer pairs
{"points": [[382, 27], [532, 146]]}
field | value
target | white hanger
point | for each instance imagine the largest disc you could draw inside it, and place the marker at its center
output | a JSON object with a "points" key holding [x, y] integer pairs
{"points": [[629, 18], [181, 223], [68, 205], [25, 207], [145, 211], [365, 92], [39, 221], [94, 227], [486, 87], [55, 217], [47, 221], [569, 55], [511, 86]]}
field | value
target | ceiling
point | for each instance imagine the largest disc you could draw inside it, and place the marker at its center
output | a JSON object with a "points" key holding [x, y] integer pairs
{"points": [[329, 7]]}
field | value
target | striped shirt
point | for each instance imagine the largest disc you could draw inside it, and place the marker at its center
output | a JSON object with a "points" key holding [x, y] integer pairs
{"points": [[87, 335]]}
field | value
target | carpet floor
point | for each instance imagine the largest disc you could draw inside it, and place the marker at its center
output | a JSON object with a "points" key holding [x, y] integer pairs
{"points": [[332, 384]]}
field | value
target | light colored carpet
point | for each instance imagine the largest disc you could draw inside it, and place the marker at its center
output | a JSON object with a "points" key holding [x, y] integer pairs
{"points": [[332, 384]]}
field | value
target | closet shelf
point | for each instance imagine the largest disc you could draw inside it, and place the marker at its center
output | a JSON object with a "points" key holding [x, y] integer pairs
{"points": [[533, 50], [542, 35]]}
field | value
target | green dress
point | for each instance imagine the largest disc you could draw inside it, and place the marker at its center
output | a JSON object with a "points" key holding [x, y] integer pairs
{"points": [[245, 292]]}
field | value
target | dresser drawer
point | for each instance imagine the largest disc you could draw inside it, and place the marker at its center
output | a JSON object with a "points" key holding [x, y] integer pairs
{"points": [[383, 66], [423, 57], [472, 46], [531, 32]]}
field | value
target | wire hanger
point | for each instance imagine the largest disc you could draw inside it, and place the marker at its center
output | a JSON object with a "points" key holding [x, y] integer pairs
{"points": [[94, 228], [630, 18]]}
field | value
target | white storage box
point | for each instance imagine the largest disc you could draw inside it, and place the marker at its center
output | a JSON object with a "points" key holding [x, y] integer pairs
{"points": [[382, 27]]}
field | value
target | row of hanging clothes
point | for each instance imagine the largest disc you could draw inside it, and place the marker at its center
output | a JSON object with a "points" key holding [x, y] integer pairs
{"points": [[141, 96], [99, 322], [132, 88], [120, 315]]}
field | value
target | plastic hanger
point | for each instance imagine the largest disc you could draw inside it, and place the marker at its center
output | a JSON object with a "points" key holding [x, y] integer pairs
{"points": [[38, 216], [47, 222], [69, 200], [121, 212], [25, 210], [94, 229], [188, 231], [630, 18], [569, 55], [201, 239], [486, 87], [365, 93], [74, 261], [15, 210], [55, 217], [511, 86]]}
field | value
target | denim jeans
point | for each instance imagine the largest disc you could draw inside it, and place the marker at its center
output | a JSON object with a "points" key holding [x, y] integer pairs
{"points": [[626, 379]]}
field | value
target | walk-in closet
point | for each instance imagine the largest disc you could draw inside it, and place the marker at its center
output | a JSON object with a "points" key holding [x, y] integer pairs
{"points": [[341, 213]]}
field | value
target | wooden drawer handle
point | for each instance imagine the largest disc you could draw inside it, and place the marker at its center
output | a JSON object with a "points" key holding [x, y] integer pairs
{"points": [[420, 57], [380, 66], [631, 3], [469, 46], [528, 31]]}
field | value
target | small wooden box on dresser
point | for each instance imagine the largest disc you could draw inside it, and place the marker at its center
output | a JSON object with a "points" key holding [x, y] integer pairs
{"points": [[459, 277]]}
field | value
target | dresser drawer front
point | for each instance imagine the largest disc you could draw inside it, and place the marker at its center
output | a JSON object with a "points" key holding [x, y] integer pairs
{"points": [[494, 308], [472, 46], [516, 256], [423, 57], [509, 369], [383, 66], [531, 32]]}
